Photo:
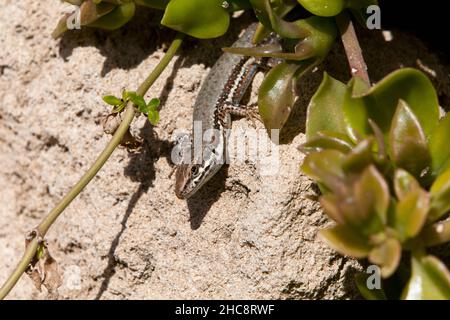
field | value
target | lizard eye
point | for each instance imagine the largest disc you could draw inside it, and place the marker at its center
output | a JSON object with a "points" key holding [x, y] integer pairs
{"points": [[194, 170]]}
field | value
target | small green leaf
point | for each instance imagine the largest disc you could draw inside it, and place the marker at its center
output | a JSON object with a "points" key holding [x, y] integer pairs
{"points": [[153, 117], [411, 213], [126, 94], [408, 144], [112, 100], [40, 252], [439, 148], [197, 18], [346, 241], [153, 104], [368, 294], [325, 109], [430, 280], [138, 101]]}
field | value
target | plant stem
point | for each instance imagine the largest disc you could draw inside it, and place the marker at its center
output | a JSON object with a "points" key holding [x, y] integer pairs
{"points": [[352, 48], [47, 222]]}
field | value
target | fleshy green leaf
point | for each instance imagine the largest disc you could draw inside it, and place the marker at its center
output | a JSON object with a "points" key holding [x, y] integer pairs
{"points": [[198, 18], [276, 95], [346, 241], [116, 18], [324, 8], [440, 196], [112, 100], [408, 144], [326, 168], [430, 280], [327, 140], [270, 19], [411, 213], [332, 205], [360, 157], [381, 101], [437, 233], [372, 196], [439, 146], [380, 143], [325, 108], [89, 12], [317, 42], [387, 256], [404, 183], [322, 33]]}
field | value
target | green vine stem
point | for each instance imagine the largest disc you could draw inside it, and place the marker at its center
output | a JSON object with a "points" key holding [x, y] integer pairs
{"points": [[358, 66], [48, 221]]}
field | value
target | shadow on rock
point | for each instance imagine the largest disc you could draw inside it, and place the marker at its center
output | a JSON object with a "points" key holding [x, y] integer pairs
{"points": [[200, 203], [124, 48], [141, 168], [128, 46]]}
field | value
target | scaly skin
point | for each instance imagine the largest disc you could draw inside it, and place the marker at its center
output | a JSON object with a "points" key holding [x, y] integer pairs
{"points": [[219, 97]]}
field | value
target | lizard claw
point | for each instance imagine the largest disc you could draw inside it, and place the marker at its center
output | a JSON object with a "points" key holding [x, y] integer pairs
{"points": [[252, 114]]}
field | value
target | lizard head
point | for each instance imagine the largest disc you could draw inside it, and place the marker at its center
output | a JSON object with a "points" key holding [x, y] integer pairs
{"points": [[191, 177]]}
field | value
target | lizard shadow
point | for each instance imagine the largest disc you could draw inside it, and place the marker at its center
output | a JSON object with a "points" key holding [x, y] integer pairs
{"points": [[200, 203]]}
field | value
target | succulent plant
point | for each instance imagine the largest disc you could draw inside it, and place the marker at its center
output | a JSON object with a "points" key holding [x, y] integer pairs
{"points": [[380, 158], [306, 42], [379, 154]]}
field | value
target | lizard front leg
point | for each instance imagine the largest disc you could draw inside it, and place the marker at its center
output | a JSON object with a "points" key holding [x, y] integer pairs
{"points": [[251, 113]]}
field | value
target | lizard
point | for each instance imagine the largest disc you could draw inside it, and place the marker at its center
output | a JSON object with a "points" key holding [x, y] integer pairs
{"points": [[218, 99]]}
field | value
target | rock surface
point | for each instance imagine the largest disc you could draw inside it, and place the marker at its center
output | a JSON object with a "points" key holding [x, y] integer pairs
{"points": [[245, 235]]}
